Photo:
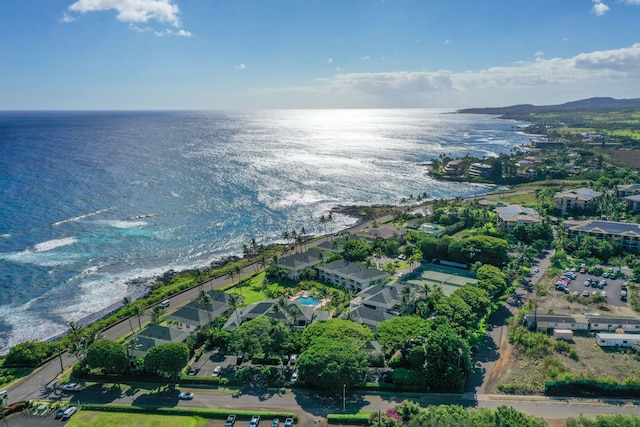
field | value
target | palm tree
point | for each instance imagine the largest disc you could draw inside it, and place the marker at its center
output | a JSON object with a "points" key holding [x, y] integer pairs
{"points": [[280, 306], [234, 302], [131, 345], [126, 303], [286, 236], [138, 310], [156, 314], [294, 312], [407, 300], [206, 301]]}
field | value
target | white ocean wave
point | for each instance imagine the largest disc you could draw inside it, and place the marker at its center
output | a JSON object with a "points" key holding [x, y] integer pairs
{"points": [[55, 243], [78, 218]]}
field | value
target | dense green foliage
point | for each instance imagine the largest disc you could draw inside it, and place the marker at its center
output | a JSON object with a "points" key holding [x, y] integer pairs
{"points": [[336, 330], [262, 338], [330, 364], [615, 420], [108, 356], [394, 333], [448, 360], [167, 359], [28, 354], [409, 414]]}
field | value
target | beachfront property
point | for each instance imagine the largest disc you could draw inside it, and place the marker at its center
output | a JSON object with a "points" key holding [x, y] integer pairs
{"points": [[633, 202], [151, 336], [626, 190], [454, 167], [511, 215], [625, 234], [384, 232], [576, 199], [617, 340], [353, 275], [196, 314], [301, 316], [481, 170], [433, 229], [294, 264]]}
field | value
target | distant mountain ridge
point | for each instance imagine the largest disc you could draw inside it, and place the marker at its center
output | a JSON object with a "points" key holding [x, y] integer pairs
{"points": [[593, 105]]}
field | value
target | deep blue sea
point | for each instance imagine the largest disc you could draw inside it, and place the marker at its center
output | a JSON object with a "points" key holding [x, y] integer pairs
{"points": [[91, 200]]}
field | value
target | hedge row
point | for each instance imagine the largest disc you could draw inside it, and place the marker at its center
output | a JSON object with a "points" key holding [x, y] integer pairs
{"points": [[587, 388], [361, 418], [211, 413]]}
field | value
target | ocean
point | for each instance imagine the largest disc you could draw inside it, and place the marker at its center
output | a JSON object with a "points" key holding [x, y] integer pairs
{"points": [[96, 204]]}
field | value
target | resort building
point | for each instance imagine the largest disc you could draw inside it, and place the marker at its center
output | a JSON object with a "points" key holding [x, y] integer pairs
{"points": [[633, 202], [383, 232], [294, 264], [625, 234], [353, 275], [197, 314], [576, 199], [153, 335], [480, 170], [293, 313], [433, 229], [626, 190], [511, 215], [454, 167]]}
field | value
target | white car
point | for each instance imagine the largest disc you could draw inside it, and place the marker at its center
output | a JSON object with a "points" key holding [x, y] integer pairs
{"points": [[185, 395], [216, 371], [71, 387], [68, 413]]}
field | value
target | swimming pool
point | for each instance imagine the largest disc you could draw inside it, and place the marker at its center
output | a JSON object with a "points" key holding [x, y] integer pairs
{"points": [[307, 300]]}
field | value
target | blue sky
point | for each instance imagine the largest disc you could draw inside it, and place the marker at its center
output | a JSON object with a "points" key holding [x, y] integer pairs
{"points": [[219, 54]]}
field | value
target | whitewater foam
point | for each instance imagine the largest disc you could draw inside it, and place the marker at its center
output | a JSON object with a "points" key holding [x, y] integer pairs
{"points": [[55, 243]]}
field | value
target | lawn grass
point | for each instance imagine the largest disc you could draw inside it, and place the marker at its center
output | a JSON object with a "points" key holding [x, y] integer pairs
{"points": [[115, 419], [253, 290]]}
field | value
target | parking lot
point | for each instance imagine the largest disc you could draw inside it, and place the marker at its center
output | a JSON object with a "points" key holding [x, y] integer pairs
{"points": [[611, 286], [229, 364]]}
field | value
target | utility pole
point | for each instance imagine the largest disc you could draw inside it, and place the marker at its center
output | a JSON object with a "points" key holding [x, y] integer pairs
{"points": [[344, 398]]}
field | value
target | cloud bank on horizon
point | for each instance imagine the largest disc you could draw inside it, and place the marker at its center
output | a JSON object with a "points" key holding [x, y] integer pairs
{"points": [[175, 54]]}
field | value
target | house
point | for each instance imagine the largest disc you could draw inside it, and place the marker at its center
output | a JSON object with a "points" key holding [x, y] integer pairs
{"points": [[296, 263], [626, 190], [479, 170], [368, 316], [383, 232], [433, 229], [625, 234], [151, 336], [546, 322], [353, 275], [195, 314], [617, 340], [611, 324], [576, 199], [301, 317], [454, 167], [633, 202], [511, 215]]}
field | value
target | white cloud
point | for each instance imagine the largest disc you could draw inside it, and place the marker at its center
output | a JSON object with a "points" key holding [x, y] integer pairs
{"points": [[447, 42], [330, 61], [365, 58], [241, 67], [135, 12], [66, 18], [633, 2], [599, 8], [604, 67], [538, 55]]}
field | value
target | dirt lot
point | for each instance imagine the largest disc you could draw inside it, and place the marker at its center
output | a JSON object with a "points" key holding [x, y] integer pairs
{"points": [[592, 361]]}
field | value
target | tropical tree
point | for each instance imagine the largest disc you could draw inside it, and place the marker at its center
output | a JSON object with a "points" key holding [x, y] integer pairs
{"points": [[448, 360], [108, 356], [206, 301], [294, 313], [157, 313], [127, 303], [332, 365], [167, 359], [138, 310]]}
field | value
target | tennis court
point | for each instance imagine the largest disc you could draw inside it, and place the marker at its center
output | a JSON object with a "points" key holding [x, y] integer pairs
{"points": [[448, 278]]}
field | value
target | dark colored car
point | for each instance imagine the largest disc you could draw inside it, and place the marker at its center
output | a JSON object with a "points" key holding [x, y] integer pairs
{"points": [[60, 412]]}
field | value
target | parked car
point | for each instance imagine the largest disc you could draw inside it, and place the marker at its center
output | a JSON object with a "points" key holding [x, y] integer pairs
{"points": [[60, 412], [603, 294], [193, 371], [623, 295], [71, 387], [275, 422], [288, 422], [231, 420], [240, 358], [293, 358], [185, 395], [536, 270], [585, 293], [294, 376], [255, 421], [216, 371], [68, 413]]}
